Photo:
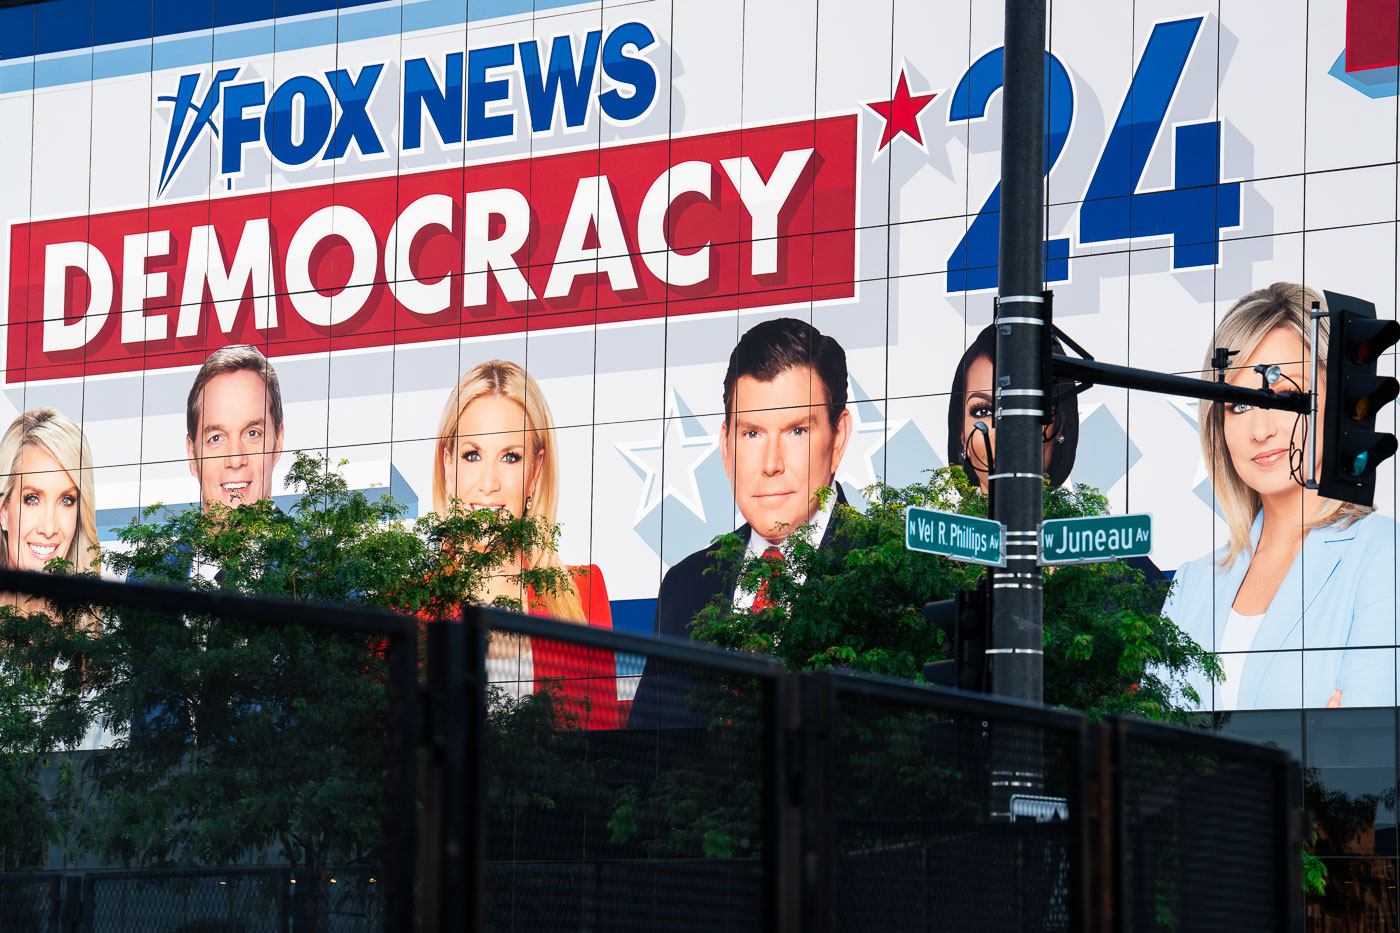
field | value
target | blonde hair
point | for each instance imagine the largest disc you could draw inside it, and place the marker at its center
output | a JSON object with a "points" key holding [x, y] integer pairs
{"points": [[1244, 327], [47, 430], [505, 380]]}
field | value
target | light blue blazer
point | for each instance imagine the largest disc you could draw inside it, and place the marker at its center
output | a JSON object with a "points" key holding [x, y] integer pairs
{"points": [[1339, 593]]}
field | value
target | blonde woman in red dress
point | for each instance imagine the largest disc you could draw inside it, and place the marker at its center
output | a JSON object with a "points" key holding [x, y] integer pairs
{"points": [[497, 450]]}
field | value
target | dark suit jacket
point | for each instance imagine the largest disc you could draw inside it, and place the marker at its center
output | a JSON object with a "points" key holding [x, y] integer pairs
{"points": [[687, 588]]}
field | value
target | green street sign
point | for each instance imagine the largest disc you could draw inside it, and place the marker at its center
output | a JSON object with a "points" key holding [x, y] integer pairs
{"points": [[1098, 538], [961, 537]]}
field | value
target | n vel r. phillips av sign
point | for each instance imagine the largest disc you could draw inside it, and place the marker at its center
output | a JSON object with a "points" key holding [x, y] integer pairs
{"points": [[961, 537]]}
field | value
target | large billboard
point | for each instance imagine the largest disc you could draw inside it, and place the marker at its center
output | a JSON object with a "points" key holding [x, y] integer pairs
{"points": [[408, 206]]}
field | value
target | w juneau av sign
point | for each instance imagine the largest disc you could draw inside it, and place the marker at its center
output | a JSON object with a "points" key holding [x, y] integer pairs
{"points": [[1097, 538]]}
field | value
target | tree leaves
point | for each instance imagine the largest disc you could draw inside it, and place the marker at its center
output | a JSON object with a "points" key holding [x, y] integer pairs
{"points": [[860, 600], [242, 739]]}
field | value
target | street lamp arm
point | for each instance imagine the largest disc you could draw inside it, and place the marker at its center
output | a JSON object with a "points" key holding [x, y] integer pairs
{"points": [[1093, 372]]}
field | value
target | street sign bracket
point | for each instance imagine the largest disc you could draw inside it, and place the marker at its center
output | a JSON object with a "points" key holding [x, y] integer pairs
{"points": [[1041, 561]]}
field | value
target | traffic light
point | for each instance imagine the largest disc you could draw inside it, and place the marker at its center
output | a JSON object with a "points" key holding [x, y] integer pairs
{"points": [[967, 618], [1351, 447]]}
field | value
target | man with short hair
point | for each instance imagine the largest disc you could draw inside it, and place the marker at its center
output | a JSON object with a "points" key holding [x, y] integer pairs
{"points": [[233, 439], [785, 430], [233, 425]]}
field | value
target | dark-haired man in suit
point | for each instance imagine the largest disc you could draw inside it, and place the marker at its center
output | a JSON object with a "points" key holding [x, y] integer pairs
{"points": [[233, 427], [785, 430]]}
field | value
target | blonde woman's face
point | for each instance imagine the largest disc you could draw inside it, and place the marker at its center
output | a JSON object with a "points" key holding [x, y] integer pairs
{"points": [[488, 465], [40, 517], [1261, 442]]}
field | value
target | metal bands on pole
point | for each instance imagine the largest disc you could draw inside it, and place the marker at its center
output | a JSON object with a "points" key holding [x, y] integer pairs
{"points": [[1016, 487]]}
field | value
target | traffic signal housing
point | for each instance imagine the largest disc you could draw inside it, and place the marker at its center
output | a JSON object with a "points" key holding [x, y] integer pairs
{"points": [[967, 619], [1351, 447]]}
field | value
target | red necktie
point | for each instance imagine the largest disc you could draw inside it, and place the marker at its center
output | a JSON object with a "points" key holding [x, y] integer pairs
{"points": [[774, 558]]}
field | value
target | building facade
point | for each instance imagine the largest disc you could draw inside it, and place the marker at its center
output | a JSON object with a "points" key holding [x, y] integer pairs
{"points": [[383, 196]]}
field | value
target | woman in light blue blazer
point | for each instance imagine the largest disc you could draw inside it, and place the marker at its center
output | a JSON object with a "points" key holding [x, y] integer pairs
{"points": [[1298, 570]]}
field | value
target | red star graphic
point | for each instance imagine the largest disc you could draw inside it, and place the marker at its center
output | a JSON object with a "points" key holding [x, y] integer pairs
{"points": [[901, 115]]}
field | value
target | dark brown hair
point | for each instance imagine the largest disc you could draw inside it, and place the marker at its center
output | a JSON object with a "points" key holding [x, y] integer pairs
{"points": [[1064, 402], [771, 348], [231, 360]]}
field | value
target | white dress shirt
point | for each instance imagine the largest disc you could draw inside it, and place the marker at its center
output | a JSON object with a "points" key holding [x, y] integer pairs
{"points": [[758, 544]]}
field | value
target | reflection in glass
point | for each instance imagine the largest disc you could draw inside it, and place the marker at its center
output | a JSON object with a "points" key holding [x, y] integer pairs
{"points": [[1360, 895], [1282, 728], [1349, 780]]}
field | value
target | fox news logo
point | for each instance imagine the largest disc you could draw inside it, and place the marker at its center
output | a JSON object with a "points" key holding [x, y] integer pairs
{"points": [[478, 95]]}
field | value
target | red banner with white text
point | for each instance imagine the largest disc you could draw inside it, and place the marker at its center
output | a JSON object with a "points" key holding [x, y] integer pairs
{"points": [[713, 222]]}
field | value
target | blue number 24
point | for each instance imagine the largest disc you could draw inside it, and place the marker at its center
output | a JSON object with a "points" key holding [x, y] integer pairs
{"points": [[973, 264], [1192, 212]]}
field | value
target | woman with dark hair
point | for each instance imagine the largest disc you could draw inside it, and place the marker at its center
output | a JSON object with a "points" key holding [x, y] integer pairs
{"points": [[972, 435], [972, 400]]}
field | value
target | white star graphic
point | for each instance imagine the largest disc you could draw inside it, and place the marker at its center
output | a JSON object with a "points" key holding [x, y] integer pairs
{"points": [[869, 432], [667, 464]]}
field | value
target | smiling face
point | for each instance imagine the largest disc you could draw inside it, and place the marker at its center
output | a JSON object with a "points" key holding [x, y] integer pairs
{"points": [[779, 447], [979, 405], [1259, 440], [40, 517], [489, 464], [236, 450]]}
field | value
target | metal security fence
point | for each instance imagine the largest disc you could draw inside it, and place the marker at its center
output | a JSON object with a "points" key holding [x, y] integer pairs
{"points": [[496, 773], [588, 818], [247, 900], [252, 765], [31, 901], [1198, 838], [222, 900], [947, 812]]}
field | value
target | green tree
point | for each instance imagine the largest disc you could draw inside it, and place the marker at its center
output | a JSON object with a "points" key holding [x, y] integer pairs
{"points": [[245, 740], [859, 606], [39, 712], [1108, 649]]}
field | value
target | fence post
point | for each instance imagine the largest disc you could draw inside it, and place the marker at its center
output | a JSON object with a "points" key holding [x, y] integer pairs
{"points": [[472, 690], [303, 901], [818, 807], [1081, 815], [445, 816], [284, 905], [1100, 859], [780, 720], [76, 912], [1290, 778], [401, 830]]}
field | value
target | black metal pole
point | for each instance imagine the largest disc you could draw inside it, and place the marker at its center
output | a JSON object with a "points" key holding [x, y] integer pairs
{"points": [[1016, 484]]}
